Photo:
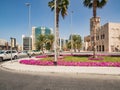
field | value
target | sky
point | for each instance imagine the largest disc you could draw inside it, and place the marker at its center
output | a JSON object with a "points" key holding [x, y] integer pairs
{"points": [[14, 17]]}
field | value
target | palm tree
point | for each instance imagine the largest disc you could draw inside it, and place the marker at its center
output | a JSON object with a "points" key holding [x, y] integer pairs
{"points": [[77, 42], [61, 7], [94, 4], [68, 45], [40, 43], [50, 40]]}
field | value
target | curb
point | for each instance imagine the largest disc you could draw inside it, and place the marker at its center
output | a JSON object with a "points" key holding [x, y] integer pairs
{"points": [[16, 66]]}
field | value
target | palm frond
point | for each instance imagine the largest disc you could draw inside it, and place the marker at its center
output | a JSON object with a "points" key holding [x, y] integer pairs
{"points": [[51, 5], [102, 3], [88, 3]]}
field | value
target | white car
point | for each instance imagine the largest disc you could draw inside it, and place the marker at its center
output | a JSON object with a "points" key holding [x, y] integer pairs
{"points": [[34, 52], [6, 54], [22, 54]]}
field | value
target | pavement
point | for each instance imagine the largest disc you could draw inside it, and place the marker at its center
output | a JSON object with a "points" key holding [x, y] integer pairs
{"points": [[16, 66]]}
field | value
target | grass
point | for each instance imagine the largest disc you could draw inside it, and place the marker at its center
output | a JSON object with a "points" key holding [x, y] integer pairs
{"points": [[112, 59], [85, 59], [48, 59]]}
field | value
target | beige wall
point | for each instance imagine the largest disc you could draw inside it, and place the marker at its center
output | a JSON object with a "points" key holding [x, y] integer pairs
{"points": [[111, 32], [114, 36], [102, 38], [107, 36]]}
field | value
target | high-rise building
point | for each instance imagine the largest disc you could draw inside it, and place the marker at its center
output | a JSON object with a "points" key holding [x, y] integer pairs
{"points": [[13, 42], [26, 43], [36, 31]]}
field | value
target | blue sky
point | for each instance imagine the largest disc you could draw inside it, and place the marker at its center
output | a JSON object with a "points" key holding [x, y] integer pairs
{"points": [[14, 17]]}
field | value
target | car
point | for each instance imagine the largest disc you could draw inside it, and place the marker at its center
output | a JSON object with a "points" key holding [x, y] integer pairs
{"points": [[6, 54], [34, 52], [22, 54]]}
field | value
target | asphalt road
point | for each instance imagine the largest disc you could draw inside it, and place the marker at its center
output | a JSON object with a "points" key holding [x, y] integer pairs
{"points": [[11, 80]]}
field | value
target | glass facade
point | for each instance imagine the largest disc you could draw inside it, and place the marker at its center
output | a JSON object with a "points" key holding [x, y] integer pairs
{"points": [[36, 31], [42, 30]]}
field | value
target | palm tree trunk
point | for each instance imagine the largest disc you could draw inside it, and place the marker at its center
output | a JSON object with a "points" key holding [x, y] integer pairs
{"points": [[42, 49], [57, 31], [94, 29], [94, 8], [57, 26], [94, 35]]}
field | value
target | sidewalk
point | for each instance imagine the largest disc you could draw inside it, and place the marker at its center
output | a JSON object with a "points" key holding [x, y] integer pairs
{"points": [[15, 65]]}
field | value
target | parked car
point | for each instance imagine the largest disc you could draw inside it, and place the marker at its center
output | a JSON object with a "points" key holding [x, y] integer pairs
{"points": [[6, 54], [34, 52], [22, 54]]}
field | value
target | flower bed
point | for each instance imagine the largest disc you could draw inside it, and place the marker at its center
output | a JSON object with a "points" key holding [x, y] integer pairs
{"points": [[64, 63], [37, 62]]}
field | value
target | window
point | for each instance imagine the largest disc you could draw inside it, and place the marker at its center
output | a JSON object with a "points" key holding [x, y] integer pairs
{"points": [[103, 36], [99, 47], [102, 47], [1, 52], [97, 37], [13, 51], [8, 52]]}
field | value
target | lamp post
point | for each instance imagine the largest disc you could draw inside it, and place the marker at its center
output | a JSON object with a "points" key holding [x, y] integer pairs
{"points": [[29, 24], [11, 41], [23, 42], [55, 41], [71, 33]]}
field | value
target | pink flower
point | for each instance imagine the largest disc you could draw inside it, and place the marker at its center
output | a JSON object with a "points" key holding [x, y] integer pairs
{"points": [[70, 63]]}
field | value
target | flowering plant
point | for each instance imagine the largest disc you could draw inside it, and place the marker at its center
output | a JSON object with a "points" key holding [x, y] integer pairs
{"points": [[70, 63]]}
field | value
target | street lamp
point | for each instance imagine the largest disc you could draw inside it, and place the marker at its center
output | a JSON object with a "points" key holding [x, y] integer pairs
{"points": [[11, 41], [22, 42], [29, 24], [71, 33]]}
